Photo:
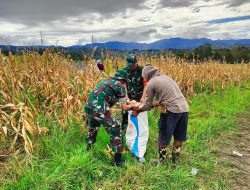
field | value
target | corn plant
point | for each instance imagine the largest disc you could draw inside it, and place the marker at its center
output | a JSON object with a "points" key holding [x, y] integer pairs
{"points": [[53, 86]]}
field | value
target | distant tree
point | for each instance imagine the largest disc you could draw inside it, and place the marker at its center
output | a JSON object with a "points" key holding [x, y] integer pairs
{"points": [[226, 55], [203, 52], [217, 56], [241, 53]]}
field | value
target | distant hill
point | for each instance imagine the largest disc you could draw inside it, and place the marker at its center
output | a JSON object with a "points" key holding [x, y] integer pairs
{"points": [[173, 43]]}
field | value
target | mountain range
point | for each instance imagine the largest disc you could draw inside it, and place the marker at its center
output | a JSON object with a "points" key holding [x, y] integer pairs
{"points": [[173, 43]]}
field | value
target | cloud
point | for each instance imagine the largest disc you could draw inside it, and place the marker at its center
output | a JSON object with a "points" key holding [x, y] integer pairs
{"points": [[33, 11], [131, 35], [236, 3], [144, 19], [69, 22], [231, 19], [177, 3], [22, 40], [196, 32]]}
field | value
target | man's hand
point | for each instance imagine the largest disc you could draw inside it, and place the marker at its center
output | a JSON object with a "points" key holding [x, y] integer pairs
{"points": [[127, 100], [128, 107], [125, 107], [135, 113], [142, 100], [155, 104]]}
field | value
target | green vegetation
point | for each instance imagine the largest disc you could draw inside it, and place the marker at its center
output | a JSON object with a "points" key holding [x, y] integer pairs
{"points": [[236, 54], [60, 160]]}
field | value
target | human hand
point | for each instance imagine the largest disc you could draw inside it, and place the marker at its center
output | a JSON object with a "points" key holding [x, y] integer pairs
{"points": [[155, 104], [142, 100], [134, 104], [135, 113], [127, 100], [136, 108]]}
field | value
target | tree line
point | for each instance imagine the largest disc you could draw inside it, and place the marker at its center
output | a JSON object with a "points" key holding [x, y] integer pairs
{"points": [[236, 54]]}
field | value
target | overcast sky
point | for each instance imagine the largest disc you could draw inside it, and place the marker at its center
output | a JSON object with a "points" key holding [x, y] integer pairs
{"points": [[70, 22]]}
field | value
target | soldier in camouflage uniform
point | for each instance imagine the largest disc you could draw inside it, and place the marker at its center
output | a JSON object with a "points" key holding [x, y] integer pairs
{"points": [[105, 95], [135, 84]]}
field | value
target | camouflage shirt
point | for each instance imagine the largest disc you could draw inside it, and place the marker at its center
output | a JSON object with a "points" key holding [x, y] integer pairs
{"points": [[135, 83], [105, 95]]}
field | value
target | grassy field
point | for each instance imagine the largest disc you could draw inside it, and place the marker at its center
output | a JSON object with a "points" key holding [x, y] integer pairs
{"points": [[60, 159], [42, 131]]}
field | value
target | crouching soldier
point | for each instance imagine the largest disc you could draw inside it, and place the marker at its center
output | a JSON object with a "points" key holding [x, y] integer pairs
{"points": [[105, 95], [174, 119]]}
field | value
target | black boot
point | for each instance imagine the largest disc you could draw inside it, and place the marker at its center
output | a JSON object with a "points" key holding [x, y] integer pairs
{"points": [[118, 161], [89, 146], [163, 155], [124, 121], [176, 154]]}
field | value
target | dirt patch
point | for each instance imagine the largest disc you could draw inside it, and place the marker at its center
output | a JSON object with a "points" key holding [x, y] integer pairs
{"points": [[238, 165]]}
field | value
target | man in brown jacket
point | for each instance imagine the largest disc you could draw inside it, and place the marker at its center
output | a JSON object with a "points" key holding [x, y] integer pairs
{"points": [[174, 119]]}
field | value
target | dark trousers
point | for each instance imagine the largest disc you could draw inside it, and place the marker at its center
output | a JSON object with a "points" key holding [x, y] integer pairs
{"points": [[172, 124]]}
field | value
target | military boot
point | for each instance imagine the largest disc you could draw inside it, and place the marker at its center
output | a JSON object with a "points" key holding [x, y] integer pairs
{"points": [[89, 146], [118, 161]]}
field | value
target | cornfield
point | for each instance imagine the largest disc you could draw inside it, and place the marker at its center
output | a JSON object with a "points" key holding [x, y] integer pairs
{"points": [[55, 87]]}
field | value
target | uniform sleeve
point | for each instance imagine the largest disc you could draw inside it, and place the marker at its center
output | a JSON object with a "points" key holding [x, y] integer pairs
{"points": [[120, 90], [122, 100], [149, 100], [122, 95]]}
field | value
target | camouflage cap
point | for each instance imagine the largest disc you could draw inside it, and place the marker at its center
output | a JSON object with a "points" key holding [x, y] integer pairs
{"points": [[131, 59], [121, 75]]}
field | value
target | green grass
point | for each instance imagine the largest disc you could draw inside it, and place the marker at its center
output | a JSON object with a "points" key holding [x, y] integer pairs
{"points": [[60, 160]]}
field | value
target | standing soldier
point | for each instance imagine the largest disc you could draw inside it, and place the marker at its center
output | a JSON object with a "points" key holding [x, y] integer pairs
{"points": [[135, 84], [105, 95]]}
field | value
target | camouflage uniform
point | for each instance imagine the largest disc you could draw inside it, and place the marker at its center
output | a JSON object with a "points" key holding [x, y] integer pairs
{"points": [[103, 97], [135, 83], [135, 89]]}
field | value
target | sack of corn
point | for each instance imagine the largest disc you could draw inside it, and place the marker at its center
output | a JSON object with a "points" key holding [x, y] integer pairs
{"points": [[137, 133]]}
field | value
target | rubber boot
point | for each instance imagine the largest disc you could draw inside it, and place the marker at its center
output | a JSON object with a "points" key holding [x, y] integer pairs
{"points": [[118, 161], [162, 157], [163, 154], [176, 154]]}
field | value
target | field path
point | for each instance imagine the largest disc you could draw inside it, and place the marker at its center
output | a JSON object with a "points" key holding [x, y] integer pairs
{"points": [[239, 175]]}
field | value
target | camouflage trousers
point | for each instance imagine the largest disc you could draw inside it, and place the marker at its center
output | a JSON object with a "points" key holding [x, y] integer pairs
{"points": [[111, 125], [124, 121]]}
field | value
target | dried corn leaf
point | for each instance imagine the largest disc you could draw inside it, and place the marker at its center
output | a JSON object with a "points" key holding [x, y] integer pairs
{"points": [[43, 130], [5, 131], [27, 142], [29, 127], [9, 105]]}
